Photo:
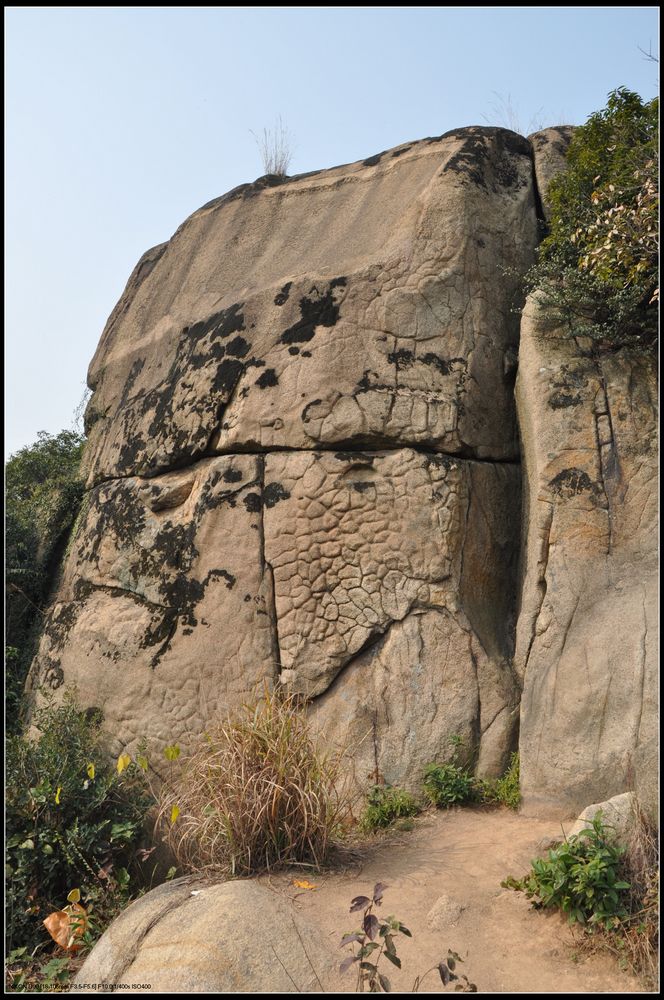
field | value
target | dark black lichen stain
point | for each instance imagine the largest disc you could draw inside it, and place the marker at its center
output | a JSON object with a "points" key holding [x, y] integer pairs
{"points": [[371, 161], [571, 482], [273, 493], [481, 162], [282, 296], [400, 152], [306, 354], [232, 475], [561, 400], [362, 487], [267, 379], [404, 358], [316, 309], [293, 350], [253, 503], [238, 348]]}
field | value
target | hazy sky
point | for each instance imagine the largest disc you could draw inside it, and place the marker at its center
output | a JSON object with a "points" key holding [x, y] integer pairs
{"points": [[122, 121]]}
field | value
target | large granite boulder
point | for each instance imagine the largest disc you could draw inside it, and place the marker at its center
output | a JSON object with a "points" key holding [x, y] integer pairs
{"points": [[191, 936], [304, 468], [303, 462]]}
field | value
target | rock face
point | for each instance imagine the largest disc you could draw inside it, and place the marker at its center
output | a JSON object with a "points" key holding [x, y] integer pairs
{"points": [[304, 467], [193, 937], [587, 632]]}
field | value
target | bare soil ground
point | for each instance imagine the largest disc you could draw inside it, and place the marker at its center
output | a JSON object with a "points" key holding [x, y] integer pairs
{"points": [[463, 855]]}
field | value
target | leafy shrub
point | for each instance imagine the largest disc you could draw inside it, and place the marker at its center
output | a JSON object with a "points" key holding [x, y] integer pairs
{"points": [[255, 791], [43, 496], [505, 790], [597, 271], [581, 877], [375, 940], [385, 804], [72, 820], [447, 785]]}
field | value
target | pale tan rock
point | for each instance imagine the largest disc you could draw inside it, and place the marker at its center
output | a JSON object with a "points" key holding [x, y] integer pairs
{"points": [[377, 572], [549, 154], [165, 614], [586, 636], [369, 303], [445, 913], [190, 936], [618, 814]]}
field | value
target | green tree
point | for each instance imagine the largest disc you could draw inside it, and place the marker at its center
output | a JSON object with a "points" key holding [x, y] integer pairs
{"points": [[43, 497], [598, 266]]}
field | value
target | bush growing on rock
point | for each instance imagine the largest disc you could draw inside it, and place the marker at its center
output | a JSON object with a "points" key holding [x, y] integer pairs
{"points": [[255, 791], [597, 271]]}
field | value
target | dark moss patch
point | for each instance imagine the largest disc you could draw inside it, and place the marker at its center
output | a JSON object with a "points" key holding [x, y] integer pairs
{"points": [[316, 309], [253, 502], [273, 493], [232, 475], [561, 400], [282, 296], [571, 482], [238, 348], [267, 379]]}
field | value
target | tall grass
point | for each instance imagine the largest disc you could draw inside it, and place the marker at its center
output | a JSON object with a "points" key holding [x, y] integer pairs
{"points": [[255, 791]]}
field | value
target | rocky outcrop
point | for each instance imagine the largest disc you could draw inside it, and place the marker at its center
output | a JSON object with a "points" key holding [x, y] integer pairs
{"points": [[586, 645], [304, 468], [192, 936]]}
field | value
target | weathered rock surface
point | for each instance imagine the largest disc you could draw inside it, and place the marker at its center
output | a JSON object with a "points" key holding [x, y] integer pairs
{"points": [[303, 464], [549, 151], [361, 304], [165, 614], [194, 937], [618, 813], [587, 631]]}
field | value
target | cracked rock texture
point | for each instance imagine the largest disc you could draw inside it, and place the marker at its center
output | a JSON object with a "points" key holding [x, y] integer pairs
{"points": [[304, 468], [587, 631]]}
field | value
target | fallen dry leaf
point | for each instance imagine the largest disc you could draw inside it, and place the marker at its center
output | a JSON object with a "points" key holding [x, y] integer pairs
{"points": [[303, 884], [65, 926]]}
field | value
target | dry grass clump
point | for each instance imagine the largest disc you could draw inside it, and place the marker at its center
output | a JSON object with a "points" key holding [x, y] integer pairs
{"points": [[255, 791], [276, 149]]}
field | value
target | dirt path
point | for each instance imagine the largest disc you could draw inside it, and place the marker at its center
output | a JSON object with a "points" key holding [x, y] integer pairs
{"points": [[462, 855]]}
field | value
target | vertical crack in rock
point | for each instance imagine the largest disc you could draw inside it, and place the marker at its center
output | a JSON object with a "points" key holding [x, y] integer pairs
{"points": [[541, 584], [269, 577]]}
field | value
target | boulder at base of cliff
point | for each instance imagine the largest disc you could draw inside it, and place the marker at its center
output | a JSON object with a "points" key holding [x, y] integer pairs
{"points": [[191, 936]]}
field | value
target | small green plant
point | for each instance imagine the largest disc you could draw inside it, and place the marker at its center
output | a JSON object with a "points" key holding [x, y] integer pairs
{"points": [[385, 804], [375, 939], [450, 783], [447, 785], [504, 791], [581, 877]]}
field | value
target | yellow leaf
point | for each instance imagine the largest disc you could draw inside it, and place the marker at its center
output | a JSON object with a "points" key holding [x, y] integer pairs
{"points": [[124, 760], [142, 761], [172, 753], [74, 896], [175, 812], [57, 795], [303, 884], [91, 771]]}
